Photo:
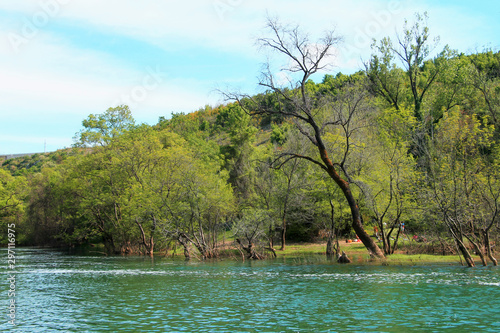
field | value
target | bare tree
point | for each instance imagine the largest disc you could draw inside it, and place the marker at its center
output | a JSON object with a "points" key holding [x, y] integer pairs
{"points": [[312, 116]]}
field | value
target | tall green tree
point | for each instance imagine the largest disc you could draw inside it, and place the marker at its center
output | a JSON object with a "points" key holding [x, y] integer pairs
{"points": [[101, 186], [100, 129], [233, 121], [413, 50], [389, 179], [462, 182]]}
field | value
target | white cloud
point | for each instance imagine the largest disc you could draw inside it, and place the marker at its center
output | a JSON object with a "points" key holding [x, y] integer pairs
{"points": [[59, 77], [54, 74]]}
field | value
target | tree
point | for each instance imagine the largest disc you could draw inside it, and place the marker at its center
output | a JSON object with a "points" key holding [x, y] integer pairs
{"points": [[233, 120], [185, 197], [306, 58], [251, 227], [485, 76], [463, 182], [330, 206], [141, 155], [101, 186], [289, 182], [53, 207], [10, 192], [413, 51], [451, 88], [12, 207], [386, 79], [390, 175], [100, 129], [281, 192]]}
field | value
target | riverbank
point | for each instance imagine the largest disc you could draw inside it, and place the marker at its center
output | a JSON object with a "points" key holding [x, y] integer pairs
{"points": [[357, 252], [303, 251]]}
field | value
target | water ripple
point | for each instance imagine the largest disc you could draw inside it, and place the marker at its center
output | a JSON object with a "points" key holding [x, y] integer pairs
{"points": [[58, 293]]}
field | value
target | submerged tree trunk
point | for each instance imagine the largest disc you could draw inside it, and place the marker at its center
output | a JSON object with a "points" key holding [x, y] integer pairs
{"points": [[250, 250], [343, 259], [109, 244], [149, 245], [463, 249], [455, 230], [272, 250], [329, 247], [332, 244], [185, 244], [487, 245], [478, 251]]}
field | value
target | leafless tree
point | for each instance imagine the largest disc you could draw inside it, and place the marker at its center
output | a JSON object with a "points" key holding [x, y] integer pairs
{"points": [[313, 116]]}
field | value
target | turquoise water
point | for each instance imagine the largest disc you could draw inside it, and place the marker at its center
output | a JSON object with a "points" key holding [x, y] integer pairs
{"points": [[56, 292]]}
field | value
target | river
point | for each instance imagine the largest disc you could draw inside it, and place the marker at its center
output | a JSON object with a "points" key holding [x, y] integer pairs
{"points": [[57, 292]]}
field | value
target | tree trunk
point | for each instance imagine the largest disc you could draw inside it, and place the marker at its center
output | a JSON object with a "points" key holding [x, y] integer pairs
{"points": [[343, 259], [465, 253], [109, 244], [148, 245], [487, 245], [329, 247], [385, 244], [479, 252], [252, 254], [395, 244], [272, 250], [151, 246], [367, 241], [283, 235], [271, 236], [357, 225], [185, 245]]}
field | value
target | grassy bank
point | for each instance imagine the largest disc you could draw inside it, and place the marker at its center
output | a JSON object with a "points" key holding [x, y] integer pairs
{"points": [[357, 252]]}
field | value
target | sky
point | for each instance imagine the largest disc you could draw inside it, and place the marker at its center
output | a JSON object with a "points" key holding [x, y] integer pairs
{"points": [[62, 60]]}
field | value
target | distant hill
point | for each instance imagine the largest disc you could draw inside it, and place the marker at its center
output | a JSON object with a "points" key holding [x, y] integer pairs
{"points": [[18, 164], [9, 156]]}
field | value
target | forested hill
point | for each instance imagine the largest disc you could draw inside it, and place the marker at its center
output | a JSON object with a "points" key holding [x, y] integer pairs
{"points": [[476, 97], [417, 142]]}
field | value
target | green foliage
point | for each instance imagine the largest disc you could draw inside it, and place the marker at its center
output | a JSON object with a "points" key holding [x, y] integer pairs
{"points": [[233, 120], [332, 85], [101, 128], [196, 128], [422, 149], [34, 163], [279, 133], [412, 50], [12, 205], [143, 188], [463, 180], [238, 147], [488, 63]]}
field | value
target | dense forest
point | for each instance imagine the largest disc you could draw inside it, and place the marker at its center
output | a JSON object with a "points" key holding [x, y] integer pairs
{"points": [[410, 144]]}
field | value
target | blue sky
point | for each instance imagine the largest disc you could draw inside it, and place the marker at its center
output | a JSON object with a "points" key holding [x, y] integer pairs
{"points": [[61, 60]]}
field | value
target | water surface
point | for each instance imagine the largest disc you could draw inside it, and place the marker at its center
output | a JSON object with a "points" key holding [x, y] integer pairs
{"points": [[57, 292]]}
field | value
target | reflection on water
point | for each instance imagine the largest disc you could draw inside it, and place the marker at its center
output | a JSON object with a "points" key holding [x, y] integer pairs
{"points": [[63, 293]]}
